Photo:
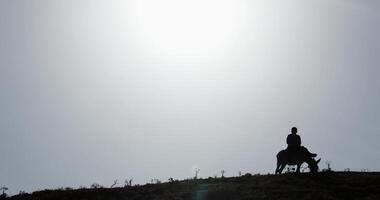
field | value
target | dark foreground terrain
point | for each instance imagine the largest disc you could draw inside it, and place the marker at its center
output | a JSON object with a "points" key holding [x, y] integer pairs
{"points": [[327, 185]]}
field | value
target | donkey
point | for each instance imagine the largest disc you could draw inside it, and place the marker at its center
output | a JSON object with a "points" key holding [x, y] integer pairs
{"points": [[297, 158]]}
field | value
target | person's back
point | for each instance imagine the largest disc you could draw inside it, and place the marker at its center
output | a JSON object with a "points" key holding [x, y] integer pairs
{"points": [[294, 141]]}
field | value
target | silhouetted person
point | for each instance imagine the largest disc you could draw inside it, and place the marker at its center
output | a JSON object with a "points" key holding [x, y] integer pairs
{"points": [[293, 140], [294, 143]]}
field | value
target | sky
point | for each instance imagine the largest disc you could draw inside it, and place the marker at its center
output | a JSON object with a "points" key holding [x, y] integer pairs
{"points": [[94, 91]]}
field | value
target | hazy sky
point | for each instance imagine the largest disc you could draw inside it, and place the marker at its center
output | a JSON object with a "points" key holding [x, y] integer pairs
{"points": [[93, 91]]}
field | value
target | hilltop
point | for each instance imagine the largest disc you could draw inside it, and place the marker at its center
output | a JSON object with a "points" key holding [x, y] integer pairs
{"points": [[325, 185]]}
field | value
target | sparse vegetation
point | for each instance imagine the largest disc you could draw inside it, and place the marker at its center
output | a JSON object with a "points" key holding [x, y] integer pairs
{"points": [[196, 171], [115, 182], [155, 181], [172, 180], [93, 186], [223, 172], [328, 163], [3, 194], [128, 182], [247, 175]]}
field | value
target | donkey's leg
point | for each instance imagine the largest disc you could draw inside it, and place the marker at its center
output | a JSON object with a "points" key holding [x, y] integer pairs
{"points": [[281, 168], [298, 168], [278, 167]]}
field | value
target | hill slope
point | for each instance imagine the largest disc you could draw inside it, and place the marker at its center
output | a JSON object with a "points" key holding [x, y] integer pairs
{"points": [[332, 185]]}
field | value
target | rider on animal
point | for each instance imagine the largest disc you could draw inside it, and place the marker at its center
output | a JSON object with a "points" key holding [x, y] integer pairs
{"points": [[295, 154]]}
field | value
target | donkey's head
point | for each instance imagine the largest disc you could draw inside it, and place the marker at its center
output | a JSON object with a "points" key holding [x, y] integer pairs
{"points": [[313, 165]]}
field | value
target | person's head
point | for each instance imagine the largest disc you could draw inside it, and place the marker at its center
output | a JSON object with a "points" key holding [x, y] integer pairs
{"points": [[294, 130]]}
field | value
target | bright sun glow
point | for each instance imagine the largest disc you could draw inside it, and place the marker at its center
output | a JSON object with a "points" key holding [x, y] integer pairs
{"points": [[187, 28]]}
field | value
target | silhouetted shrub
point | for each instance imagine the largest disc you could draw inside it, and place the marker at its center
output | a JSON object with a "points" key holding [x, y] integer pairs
{"points": [[3, 195], [96, 186], [171, 180], [247, 175]]}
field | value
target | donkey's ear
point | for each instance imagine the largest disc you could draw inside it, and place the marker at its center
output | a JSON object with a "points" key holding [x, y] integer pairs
{"points": [[319, 160]]}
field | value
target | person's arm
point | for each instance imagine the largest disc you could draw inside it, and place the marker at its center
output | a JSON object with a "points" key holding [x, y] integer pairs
{"points": [[299, 140]]}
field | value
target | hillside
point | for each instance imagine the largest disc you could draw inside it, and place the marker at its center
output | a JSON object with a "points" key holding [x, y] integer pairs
{"points": [[327, 185]]}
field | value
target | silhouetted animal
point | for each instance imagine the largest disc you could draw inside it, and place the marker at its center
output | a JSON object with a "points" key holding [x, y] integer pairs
{"points": [[296, 158]]}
